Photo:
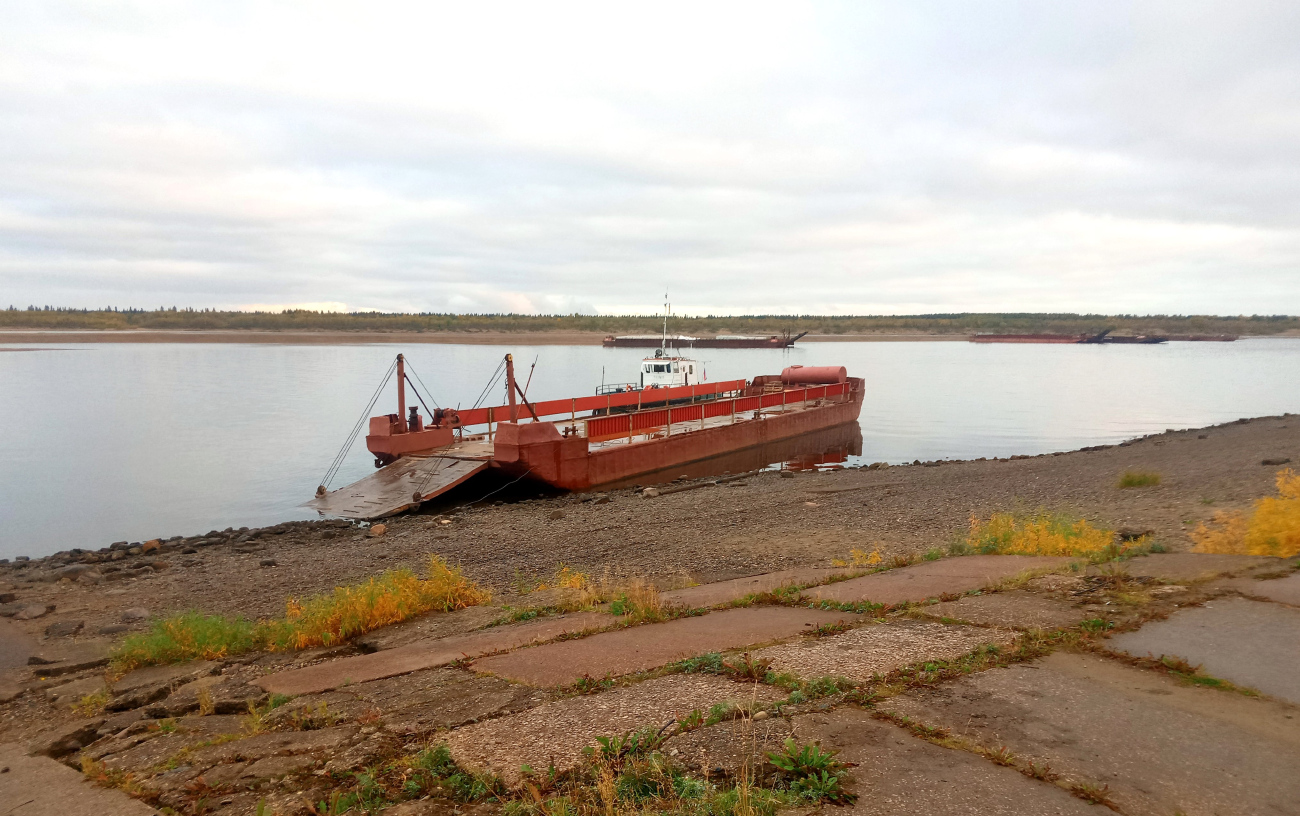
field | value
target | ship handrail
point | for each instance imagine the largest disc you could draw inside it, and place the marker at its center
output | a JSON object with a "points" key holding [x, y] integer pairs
{"points": [[629, 425], [576, 405]]}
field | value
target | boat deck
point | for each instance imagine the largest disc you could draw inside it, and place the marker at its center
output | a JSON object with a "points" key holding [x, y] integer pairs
{"points": [[413, 479], [397, 487], [689, 426]]}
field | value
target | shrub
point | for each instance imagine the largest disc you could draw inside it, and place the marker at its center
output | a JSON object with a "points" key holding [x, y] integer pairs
{"points": [[1139, 478], [1272, 528], [1038, 534]]}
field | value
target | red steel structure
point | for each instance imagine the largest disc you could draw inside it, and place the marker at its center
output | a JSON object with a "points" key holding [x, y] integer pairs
{"points": [[584, 442]]}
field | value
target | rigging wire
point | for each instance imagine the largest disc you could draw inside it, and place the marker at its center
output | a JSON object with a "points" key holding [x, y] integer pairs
{"points": [[426, 388], [501, 367], [352, 437]]}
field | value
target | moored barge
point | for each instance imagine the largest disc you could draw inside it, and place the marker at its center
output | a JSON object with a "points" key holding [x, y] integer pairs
{"points": [[585, 442], [721, 341]]}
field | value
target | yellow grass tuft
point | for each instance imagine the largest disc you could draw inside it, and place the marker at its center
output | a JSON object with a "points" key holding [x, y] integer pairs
{"points": [[1037, 534], [1272, 528], [860, 558], [317, 621], [390, 598]]}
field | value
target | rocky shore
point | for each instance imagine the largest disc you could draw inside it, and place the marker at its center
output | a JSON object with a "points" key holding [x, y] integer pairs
{"points": [[60, 615]]}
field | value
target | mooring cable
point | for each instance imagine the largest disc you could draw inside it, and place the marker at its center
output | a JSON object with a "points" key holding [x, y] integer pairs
{"points": [[352, 437]]}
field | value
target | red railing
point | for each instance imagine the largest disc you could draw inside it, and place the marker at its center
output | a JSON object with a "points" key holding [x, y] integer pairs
{"points": [[627, 425], [572, 407]]}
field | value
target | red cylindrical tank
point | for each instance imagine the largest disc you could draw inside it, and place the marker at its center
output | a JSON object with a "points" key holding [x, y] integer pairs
{"points": [[814, 375]]}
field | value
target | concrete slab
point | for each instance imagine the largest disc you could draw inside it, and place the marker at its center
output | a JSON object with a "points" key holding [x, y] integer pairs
{"points": [[556, 733], [428, 627], [1014, 610], [722, 592], [1186, 566], [36, 786], [423, 702], [640, 648], [427, 654], [1282, 590], [901, 775], [54, 659], [1251, 643], [879, 648], [1160, 746], [16, 646], [730, 745], [932, 579]]}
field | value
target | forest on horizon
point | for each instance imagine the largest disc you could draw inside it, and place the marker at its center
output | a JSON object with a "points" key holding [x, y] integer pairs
{"points": [[180, 319]]}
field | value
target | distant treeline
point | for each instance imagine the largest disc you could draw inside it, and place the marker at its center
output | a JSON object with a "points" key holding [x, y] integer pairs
{"points": [[300, 320]]}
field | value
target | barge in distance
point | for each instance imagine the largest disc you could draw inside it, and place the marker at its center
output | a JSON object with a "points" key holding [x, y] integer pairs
{"points": [[735, 341]]}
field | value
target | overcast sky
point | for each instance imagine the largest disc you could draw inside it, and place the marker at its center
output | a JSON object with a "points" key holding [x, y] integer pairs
{"points": [[751, 158]]}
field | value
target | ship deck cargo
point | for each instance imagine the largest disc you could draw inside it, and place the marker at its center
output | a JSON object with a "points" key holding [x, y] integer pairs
{"points": [[585, 442]]}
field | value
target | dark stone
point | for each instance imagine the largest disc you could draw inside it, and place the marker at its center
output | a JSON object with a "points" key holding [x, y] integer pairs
{"points": [[33, 611], [1133, 533], [64, 628], [1272, 462], [556, 515], [114, 629], [67, 739], [267, 562], [8, 597]]}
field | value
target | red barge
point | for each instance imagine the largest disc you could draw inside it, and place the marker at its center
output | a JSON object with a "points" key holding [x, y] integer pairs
{"points": [[585, 442]]}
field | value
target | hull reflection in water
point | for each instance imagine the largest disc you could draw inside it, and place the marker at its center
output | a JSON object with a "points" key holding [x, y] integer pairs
{"points": [[822, 449]]}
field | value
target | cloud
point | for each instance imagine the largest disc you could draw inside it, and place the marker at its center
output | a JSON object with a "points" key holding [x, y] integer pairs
{"points": [[584, 157]]}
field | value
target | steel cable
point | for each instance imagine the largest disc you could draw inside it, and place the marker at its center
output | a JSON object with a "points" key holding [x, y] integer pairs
{"points": [[352, 437]]}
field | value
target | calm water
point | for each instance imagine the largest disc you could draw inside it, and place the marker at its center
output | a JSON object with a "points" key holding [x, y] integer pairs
{"points": [[132, 441]]}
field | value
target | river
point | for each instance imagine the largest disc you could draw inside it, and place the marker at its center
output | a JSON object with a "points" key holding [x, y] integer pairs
{"points": [[107, 442]]}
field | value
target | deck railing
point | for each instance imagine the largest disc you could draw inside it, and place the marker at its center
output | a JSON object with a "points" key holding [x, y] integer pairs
{"points": [[619, 426], [606, 402]]}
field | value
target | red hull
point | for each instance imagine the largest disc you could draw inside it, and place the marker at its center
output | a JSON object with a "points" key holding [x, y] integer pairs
{"points": [[527, 450], [619, 437]]}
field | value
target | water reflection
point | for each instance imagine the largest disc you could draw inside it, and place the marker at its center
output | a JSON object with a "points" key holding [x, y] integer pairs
{"points": [[133, 441]]}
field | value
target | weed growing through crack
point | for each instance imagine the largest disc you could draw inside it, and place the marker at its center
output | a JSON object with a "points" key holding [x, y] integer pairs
{"points": [[316, 621], [1138, 478], [91, 704], [1182, 670], [1271, 528]]}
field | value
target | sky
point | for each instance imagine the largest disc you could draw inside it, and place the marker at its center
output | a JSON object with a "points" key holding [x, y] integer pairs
{"points": [[749, 158]]}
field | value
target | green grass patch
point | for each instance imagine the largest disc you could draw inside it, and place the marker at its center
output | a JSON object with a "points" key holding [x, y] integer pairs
{"points": [[1139, 478]]}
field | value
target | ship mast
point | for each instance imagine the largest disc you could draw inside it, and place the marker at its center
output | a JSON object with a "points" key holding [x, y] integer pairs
{"points": [[663, 343]]}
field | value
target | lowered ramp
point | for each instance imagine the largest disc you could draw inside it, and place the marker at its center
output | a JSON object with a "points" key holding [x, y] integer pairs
{"points": [[397, 487]]}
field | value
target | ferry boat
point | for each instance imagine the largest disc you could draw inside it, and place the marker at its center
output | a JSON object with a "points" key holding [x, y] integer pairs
{"points": [[669, 417]]}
